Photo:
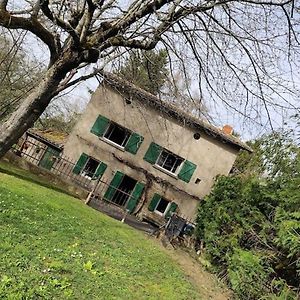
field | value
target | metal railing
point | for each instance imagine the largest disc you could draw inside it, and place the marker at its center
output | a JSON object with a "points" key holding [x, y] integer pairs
{"points": [[62, 166], [51, 160]]}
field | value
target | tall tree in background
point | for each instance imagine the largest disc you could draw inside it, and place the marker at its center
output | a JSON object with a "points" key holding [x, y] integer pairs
{"points": [[18, 75], [146, 69], [221, 41]]}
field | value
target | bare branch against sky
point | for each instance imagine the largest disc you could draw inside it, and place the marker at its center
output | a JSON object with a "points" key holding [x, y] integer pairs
{"points": [[241, 53]]}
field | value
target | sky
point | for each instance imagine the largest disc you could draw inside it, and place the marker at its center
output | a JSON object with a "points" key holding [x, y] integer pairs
{"points": [[220, 112]]}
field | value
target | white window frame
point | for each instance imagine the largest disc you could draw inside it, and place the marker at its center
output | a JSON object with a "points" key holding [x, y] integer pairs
{"points": [[83, 173], [107, 140], [166, 209], [166, 170]]}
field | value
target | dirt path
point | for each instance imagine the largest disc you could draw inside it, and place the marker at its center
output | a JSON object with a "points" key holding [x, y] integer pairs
{"points": [[208, 285]]}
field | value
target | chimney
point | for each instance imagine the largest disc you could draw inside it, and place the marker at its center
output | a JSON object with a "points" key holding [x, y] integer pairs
{"points": [[227, 129]]}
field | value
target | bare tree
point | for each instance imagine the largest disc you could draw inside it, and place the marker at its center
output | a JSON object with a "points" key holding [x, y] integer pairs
{"points": [[216, 34]]}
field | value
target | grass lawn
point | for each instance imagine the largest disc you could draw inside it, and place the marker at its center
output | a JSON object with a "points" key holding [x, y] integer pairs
{"points": [[52, 246]]}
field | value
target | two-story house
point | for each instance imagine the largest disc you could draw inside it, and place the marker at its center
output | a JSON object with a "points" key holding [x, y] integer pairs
{"points": [[156, 158]]}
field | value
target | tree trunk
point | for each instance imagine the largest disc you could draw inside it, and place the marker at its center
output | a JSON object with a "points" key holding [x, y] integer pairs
{"points": [[34, 105]]}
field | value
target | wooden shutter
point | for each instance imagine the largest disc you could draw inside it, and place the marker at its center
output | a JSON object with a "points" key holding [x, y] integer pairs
{"points": [[152, 153], [100, 126], [172, 208], [134, 142], [187, 171], [80, 163], [154, 202], [114, 184], [100, 170], [135, 196]]}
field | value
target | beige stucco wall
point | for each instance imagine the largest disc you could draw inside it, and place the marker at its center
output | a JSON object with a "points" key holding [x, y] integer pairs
{"points": [[211, 156]]}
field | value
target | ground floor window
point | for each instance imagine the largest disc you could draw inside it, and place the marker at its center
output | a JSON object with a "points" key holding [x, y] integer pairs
{"points": [[90, 168], [162, 206]]}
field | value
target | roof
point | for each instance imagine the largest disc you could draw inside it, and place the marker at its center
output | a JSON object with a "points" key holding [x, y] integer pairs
{"points": [[49, 137], [183, 117]]}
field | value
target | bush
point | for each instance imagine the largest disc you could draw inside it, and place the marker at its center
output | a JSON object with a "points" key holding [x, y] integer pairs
{"points": [[251, 230]]}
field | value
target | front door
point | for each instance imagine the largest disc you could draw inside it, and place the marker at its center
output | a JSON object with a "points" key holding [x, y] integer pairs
{"points": [[48, 158]]}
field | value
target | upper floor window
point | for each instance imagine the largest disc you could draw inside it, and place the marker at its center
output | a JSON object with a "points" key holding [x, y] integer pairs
{"points": [[169, 161], [117, 134]]}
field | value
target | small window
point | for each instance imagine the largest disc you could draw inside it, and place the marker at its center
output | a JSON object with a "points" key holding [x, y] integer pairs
{"points": [[169, 161], [197, 135], [90, 168], [162, 206], [117, 134]]}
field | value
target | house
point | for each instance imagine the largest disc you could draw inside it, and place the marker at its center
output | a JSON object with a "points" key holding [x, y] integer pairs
{"points": [[154, 158], [41, 147]]}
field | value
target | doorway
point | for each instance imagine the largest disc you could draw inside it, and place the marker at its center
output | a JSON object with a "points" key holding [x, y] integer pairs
{"points": [[124, 191]]}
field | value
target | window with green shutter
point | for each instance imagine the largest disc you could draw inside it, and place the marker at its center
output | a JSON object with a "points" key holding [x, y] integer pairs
{"points": [[187, 171], [113, 186], [100, 125], [80, 163], [154, 201], [135, 196], [172, 208], [152, 153], [134, 142], [100, 170]]}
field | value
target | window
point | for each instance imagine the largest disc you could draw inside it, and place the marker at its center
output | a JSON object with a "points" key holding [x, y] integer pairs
{"points": [[162, 206], [90, 168], [117, 134], [169, 161], [166, 160]]}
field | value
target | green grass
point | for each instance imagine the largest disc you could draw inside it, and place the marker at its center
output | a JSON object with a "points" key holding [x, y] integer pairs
{"points": [[52, 246]]}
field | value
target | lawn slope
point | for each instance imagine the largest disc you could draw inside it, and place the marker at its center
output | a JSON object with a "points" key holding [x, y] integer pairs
{"points": [[54, 247]]}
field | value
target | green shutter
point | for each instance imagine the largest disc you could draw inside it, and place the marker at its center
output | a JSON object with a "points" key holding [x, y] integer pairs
{"points": [[113, 185], [173, 207], [100, 170], [100, 126], [134, 142], [152, 153], [187, 171], [154, 202], [80, 163], [135, 196]]}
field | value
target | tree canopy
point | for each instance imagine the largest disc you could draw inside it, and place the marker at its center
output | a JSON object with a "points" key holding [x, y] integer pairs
{"points": [[239, 52], [250, 222], [146, 69]]}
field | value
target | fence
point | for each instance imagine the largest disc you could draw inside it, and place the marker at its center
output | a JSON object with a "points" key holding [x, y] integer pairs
{"points": [[52, 160]]}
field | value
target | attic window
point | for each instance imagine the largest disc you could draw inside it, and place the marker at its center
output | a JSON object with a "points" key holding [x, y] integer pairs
{"points": [[169, 161], [117, 134]]}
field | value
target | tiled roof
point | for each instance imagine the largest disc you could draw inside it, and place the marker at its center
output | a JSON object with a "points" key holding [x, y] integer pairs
{"points": [[135, 92]]}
